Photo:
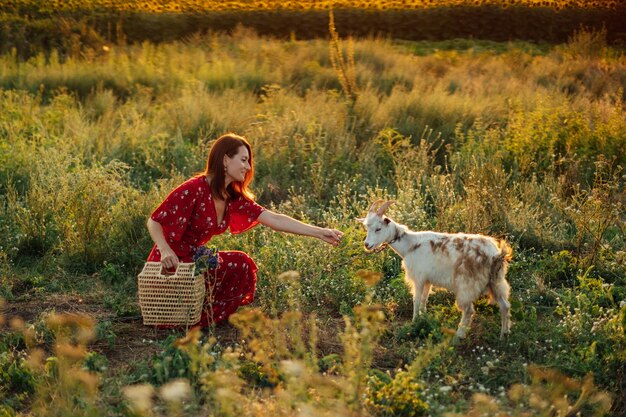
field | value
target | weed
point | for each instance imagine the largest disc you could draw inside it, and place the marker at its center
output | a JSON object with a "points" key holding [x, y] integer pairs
{"points": [[344, 66]]}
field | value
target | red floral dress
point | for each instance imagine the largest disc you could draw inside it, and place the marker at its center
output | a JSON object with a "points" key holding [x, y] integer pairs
{"points": [[189, 219]]}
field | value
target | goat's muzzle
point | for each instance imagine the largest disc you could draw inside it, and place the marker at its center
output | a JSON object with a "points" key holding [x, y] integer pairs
{"points": [[372, 249]]}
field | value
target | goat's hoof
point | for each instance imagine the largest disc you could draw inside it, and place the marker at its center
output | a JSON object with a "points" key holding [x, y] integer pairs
{"points": [[460, 334]]}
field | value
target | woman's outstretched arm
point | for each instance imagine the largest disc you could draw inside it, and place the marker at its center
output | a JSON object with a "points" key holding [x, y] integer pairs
{"points": [[284, 223]]}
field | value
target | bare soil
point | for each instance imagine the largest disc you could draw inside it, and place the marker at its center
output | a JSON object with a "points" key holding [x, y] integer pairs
{"points": [[131, 341]]}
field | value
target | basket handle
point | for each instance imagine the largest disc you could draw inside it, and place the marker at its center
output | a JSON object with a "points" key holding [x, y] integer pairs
{"points": [[165, 272]]}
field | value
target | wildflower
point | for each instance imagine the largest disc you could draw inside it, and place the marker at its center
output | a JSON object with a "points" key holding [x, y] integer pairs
{"points": [[36, 358], [370, 278], [17, 323], [88, 380], [206, 259], [292, 368], [140, 397], [191, 338], [175, 391], [81, 325], [71, 352], [448, 331], [289, 276]]}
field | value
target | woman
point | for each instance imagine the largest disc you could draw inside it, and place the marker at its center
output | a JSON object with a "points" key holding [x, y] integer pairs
{"points": [[205, 206]]}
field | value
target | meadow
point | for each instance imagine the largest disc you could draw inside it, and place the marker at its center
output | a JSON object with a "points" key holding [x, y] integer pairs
{"points": [[523, 141]]}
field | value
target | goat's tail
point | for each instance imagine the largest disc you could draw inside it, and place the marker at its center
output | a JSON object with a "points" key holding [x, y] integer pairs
{"points": [[499, 266], [506, 253]]}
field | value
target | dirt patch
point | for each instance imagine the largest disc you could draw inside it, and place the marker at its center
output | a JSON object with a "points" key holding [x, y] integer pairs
{"points": [[30, 310], [125, 341]]}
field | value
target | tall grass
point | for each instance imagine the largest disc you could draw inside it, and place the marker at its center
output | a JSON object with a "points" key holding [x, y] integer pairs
{"points": [[521, 144], [163, 104], [155, 109]]}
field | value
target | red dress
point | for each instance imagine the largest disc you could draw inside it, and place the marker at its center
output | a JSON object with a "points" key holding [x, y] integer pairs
{"points": [[189, 219]]}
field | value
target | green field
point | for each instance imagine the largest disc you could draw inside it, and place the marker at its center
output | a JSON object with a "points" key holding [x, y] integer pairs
{"points": [[519, 140]]}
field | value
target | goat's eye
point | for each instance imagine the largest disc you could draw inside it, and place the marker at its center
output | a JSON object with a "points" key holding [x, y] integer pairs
{"points": [[377, 230]]}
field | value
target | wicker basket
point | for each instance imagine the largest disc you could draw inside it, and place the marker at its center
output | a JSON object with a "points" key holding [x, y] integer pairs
{"points": [[170, 299]]}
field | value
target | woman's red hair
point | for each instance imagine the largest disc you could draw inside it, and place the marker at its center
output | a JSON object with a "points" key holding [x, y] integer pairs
{"points": [[228, 144]]}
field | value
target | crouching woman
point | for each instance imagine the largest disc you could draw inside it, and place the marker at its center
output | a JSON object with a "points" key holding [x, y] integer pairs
{"points": [[208, 204]]}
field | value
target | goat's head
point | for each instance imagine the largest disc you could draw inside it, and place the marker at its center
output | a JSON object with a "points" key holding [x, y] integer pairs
{"points": [[377, 225]]}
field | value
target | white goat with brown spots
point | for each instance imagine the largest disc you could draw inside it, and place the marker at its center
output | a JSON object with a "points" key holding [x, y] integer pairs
{"points": [[467, 264]]}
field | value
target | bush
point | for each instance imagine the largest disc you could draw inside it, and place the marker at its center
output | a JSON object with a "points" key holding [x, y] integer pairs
{"points": [[593, 323], [17, 382], [423, 328], [398, 397]]}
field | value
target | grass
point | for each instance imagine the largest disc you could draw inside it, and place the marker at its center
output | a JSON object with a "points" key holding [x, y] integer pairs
{"points": [[510, 139]]}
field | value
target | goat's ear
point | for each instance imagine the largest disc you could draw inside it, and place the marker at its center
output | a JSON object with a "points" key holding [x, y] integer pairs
{"points": [[387, 220], [360, 219]]}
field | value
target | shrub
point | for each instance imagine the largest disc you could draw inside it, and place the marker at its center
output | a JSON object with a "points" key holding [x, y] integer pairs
{"points": [[398, 397], [17, 382], [60, 378], [593, 324], [169, 364], [549, 392], [423, 328]]}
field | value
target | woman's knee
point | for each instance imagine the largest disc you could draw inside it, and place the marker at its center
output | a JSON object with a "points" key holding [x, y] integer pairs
{"points": [[232, 259]]}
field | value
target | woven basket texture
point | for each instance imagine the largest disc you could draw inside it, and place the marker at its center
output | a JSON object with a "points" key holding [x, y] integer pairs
{"points": [[170, 299]]}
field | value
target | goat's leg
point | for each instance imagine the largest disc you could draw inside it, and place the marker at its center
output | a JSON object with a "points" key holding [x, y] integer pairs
{"points": [[505, 314], [417, 297], [425, 294], [467, 310], [501, 294]]}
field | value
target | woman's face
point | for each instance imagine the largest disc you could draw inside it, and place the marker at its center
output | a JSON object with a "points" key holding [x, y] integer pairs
{"points": [[238, 166]]}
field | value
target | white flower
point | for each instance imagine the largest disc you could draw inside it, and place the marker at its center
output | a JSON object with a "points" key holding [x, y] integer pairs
{"points": [[176, 390], [289, 276], [445, 388], [140, 397], [292, 368]]}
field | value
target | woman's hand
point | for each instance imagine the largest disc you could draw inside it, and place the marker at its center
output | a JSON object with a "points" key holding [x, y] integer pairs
{"points": [[169, 260], [332, 236], [283, 223]]}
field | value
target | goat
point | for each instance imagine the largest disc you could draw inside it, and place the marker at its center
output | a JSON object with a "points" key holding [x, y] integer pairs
{"points": [[466, 264]]}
